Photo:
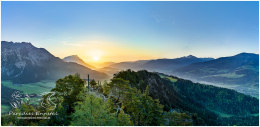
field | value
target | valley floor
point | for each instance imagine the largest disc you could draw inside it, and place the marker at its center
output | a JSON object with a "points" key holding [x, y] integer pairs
{"points": [[29, 88]]}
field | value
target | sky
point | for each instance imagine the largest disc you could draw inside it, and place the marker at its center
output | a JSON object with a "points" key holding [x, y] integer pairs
{"points": [[127, 31]]}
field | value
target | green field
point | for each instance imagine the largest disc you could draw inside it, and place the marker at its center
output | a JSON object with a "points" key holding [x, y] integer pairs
{"points": [[227, 75], [170, 78], [30, 88], [5, 108]]}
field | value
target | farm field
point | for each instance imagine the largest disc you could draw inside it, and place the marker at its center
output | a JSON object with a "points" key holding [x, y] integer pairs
{"points": [[5, 108], [170, 78], [30, 88]]}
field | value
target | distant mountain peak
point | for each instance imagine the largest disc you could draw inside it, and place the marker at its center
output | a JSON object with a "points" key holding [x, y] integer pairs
{"points": [[78, 60], [71, 57], [75, 55], [189, 56], [244, 53]]}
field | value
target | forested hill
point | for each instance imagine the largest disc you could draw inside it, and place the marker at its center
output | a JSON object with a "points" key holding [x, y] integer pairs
{"points": [[205, 100]]}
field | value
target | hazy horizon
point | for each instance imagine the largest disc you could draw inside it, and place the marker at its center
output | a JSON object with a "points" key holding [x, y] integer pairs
{"points": [[121, 31], [97, 64]]}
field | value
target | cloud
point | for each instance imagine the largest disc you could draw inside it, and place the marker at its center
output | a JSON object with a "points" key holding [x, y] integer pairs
{"points": [[157, 19], [73, 44], [78, 45], [52, 39]]}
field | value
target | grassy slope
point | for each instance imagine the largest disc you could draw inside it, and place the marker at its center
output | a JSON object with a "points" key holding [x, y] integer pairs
{"points": [[30, 88], [5, 108], [170, 78]]}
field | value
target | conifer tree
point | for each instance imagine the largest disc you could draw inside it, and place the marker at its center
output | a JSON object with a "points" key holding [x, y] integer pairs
{"points": [[124, 119], [69, 88], [93, 112]]}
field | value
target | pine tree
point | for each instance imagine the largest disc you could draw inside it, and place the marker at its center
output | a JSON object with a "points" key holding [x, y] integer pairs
{"points": [[69, 88], [177, 119], [93, 84], [106, 88], [93, 112], [144, 109], [117, 88], [124, 119], [151, 113]]}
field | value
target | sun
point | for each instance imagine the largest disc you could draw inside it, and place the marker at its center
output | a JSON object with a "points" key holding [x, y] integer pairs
{"points": [[95, 58]]}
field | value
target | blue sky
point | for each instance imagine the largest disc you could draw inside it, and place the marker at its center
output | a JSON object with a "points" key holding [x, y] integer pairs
{"points": [[123, 31]]}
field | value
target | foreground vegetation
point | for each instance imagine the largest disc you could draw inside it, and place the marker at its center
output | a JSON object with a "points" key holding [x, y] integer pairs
{"points": [[119, 104], [138, 98]]}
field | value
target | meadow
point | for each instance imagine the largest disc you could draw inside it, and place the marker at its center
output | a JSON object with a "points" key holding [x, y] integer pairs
{"points": [[32, 88], [170, 78], [5, 108], [29, 88]]}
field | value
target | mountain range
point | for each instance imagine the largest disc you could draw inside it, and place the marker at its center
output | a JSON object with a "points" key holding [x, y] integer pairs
{"points": [[239, 72], [24, 63], [164, 65], [158, 65], [241, 65], [22, 60]]}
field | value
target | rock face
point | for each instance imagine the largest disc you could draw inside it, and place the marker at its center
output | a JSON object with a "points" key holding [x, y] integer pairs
{"points": [[24, 63], [76, 59]]}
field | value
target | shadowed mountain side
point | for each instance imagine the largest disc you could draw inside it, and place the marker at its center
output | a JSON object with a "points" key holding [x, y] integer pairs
{"points": [[129, 65], [106, 64], [109, 71], [64, 68], [159, 65], [164, 65]]}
